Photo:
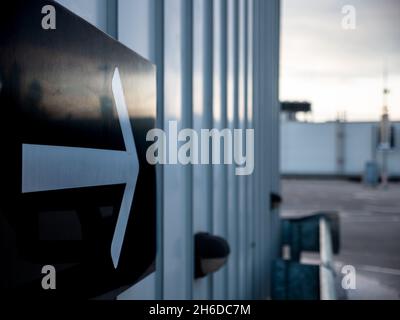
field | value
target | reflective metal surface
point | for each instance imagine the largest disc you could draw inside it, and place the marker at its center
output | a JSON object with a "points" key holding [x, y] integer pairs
{"points": [[57, 90]]}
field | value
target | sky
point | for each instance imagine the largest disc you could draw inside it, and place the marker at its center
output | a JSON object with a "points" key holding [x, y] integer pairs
{"points": [[337, 69]]}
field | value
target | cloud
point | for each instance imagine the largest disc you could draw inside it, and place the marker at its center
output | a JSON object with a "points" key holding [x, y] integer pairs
{"points": [[314, 42], [340, 69]]}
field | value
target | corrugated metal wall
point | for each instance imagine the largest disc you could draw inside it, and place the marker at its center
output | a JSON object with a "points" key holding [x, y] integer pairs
{"points": [[218, 64]]}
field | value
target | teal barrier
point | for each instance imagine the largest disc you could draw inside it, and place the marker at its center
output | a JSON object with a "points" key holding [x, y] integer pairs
{"points": [[295, 281]]}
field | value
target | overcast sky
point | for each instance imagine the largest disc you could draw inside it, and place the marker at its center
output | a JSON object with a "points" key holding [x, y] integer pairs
{"points": [[336, 69]]}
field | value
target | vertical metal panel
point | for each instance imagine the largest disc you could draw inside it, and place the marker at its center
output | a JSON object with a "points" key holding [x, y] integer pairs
{"points": [[232, 115], [256, 139], [257, 179], [269, 67], [178, 242], [187, 119], [250, 212], [260, 124], [265, 109], [276, 125], [264, 105], [264, 125], [137, 26], [112, 18], [93, 11], [241, 124], [202, 119], [159, 58], [220, 122]]}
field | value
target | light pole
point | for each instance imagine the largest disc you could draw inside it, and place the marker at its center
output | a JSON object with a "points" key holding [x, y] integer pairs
{"points": [[385, 132]]}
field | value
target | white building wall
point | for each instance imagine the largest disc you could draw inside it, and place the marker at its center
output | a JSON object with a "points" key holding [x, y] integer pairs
{"points": [[359, 143], [308, 148], [311, 148], [217, 66]]}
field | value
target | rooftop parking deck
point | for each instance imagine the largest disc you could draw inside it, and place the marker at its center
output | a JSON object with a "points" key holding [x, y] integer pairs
{"points": [[369, 227]]}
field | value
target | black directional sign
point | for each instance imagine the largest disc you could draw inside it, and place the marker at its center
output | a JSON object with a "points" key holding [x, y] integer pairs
{"points": [[77, 192]]}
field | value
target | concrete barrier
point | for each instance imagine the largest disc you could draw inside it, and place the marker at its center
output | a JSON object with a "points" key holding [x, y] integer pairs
{"points": [[318, 232], [326, 271]]}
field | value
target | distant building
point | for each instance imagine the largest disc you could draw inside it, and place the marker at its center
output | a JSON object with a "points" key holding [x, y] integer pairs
{"points": [[336, 148], [290, 109]]}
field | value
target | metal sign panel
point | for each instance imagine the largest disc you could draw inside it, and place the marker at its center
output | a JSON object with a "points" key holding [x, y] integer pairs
{"points": [[77, 192]]}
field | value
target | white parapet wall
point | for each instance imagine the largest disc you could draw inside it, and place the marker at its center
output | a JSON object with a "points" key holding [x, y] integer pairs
{"points": [[331, 148]]}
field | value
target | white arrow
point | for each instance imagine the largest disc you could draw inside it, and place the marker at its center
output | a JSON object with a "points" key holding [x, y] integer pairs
{"points": [[46, 168]]}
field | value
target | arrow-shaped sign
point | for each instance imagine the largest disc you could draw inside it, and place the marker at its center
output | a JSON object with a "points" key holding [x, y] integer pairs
{"points": [[46, 168]]}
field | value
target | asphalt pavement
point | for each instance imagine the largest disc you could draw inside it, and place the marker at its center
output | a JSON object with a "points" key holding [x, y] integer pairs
{"points": [[369, 228]]}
